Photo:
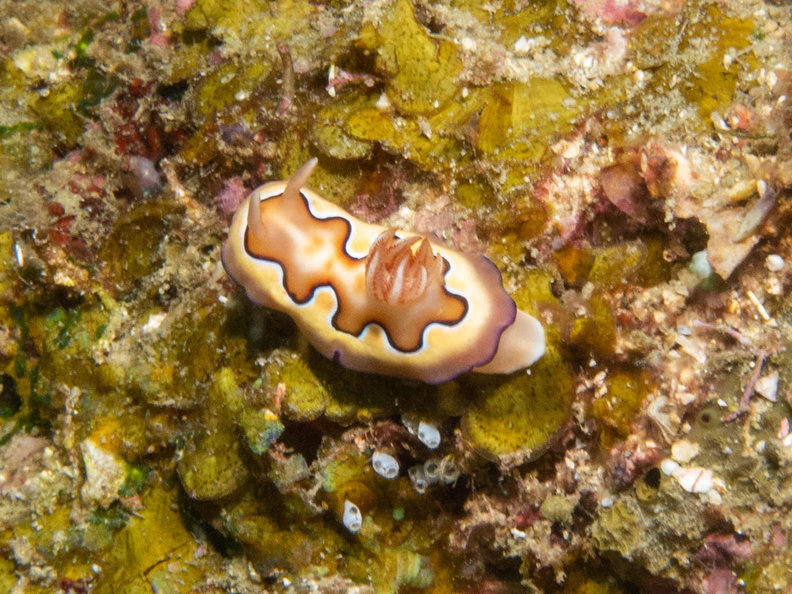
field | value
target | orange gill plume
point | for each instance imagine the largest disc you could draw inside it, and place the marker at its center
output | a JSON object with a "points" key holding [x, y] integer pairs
{"points": [[397, 274]]}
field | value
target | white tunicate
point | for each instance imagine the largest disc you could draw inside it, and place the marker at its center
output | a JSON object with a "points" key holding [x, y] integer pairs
{"points": [[429, 435], [385, 465], [418, 479], [449, 471], [431, 470], [352, 519]]}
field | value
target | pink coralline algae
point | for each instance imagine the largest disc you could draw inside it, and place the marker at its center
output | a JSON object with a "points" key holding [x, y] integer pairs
{"points": [[720, 549], [184, 5], [231, 196], [614, 11]]}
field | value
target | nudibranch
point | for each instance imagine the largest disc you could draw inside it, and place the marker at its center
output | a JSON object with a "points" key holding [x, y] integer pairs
{"points": [[374, 299]]}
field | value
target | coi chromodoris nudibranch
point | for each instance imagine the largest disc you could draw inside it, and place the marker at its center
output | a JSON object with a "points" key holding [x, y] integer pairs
{"points": [[375, 299]]}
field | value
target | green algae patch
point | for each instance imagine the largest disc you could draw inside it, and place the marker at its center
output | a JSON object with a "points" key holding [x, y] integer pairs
{"points": [[8, 277], [654, 40], [261, 428], [227, 83], [514, 23], [373, 125], [397, 571], [8, 578], [574, 264], [70, 335], [712, 85], [429, 142], [582, 580], [475, 193], [614, 265], [153, 548], [617, 528], [422, 72], [197, 343], [57, 112], [317, 387], [595, 333], [306, 396], [520, 121], [343, 470], [558, 509], [535, 290], [131, 250], [24, 146], [331, 137], [212, 467], [698, 54], [627, 389], [655, 268], [537, 108], [517, 417]]}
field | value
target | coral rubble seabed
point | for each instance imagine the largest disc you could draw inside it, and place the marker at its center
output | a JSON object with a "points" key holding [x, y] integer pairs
{"points": [[626, 165]]}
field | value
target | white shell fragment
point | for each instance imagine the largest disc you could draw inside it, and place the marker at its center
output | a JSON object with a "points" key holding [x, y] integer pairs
{"points": [[669, 467], [385, 465], [429, 435], [352, 519], [695, 480], [684, 451], [692, 479], [767, 386], [774, 263]]}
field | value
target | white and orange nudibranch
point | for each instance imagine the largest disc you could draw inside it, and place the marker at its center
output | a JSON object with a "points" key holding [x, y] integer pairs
{"points": [[374, 299]]}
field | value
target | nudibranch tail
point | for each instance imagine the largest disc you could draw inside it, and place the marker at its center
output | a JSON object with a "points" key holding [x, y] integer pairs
{"points": [[521, 345], [375, 299]]}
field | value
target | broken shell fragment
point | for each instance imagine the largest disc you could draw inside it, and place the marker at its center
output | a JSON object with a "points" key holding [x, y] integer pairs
{"points": [[767, 386], [684, 451], [695, 480]]}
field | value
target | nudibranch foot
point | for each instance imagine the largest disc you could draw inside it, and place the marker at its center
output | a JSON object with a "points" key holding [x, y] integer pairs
{"points": [[375, 299]]}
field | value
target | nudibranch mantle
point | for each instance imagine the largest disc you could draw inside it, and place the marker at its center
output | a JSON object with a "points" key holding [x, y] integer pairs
{"points": [[374, 299]]}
